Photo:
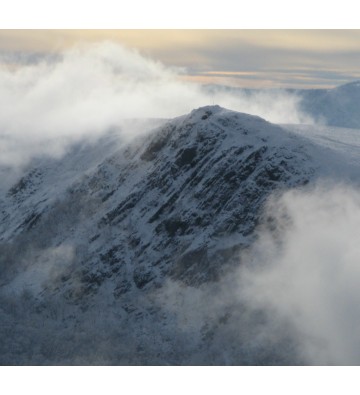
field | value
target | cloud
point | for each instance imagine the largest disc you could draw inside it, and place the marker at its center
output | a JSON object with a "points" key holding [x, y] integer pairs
{"points": [[48, 104], [304, 272], [276, 106], [40, 268]]}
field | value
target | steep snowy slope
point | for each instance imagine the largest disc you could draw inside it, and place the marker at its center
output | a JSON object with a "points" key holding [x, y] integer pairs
{"points": [[88, 240]]}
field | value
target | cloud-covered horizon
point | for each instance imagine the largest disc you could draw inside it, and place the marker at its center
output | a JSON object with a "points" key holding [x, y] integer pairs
{"points": [[245, 58], [48, 104]]}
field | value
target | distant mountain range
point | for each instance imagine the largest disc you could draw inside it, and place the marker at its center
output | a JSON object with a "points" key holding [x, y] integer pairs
{"points": [[335, 107]]}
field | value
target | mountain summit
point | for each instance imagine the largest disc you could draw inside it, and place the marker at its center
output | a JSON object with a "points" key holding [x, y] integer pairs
{"points": [[165, 205], [88, 240]]}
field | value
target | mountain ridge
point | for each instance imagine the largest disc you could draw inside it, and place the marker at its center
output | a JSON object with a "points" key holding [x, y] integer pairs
{"points": [[103, 229]]}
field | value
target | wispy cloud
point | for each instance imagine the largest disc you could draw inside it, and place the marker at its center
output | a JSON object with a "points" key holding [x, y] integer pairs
{"points": [[47, 104], [261, 51]]}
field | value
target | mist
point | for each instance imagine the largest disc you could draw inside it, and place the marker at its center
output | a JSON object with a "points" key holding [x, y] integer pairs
{"points": [[304, 271], [47, 105]]}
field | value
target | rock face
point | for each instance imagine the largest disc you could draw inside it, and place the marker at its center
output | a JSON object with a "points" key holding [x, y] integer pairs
{"points": [[100, 231], [167, 206]]}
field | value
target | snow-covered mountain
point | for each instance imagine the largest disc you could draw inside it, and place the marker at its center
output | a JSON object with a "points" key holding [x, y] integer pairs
{"points": [[90, 242], [337, 107]]}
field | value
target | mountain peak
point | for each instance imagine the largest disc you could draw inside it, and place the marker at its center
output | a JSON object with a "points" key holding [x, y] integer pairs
{"points": [[104, 232], [205, 112], [349, 86]]}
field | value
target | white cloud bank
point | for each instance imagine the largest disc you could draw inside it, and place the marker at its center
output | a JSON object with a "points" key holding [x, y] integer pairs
{"points": [[307, 274], [89, 89]]}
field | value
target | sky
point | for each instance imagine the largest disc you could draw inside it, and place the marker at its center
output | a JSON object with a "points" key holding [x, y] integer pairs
{"points": [[275, 58]]}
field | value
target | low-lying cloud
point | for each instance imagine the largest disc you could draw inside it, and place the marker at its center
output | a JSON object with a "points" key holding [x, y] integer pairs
{"points": [[45, 268], [85, 91], [307, 273]]}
